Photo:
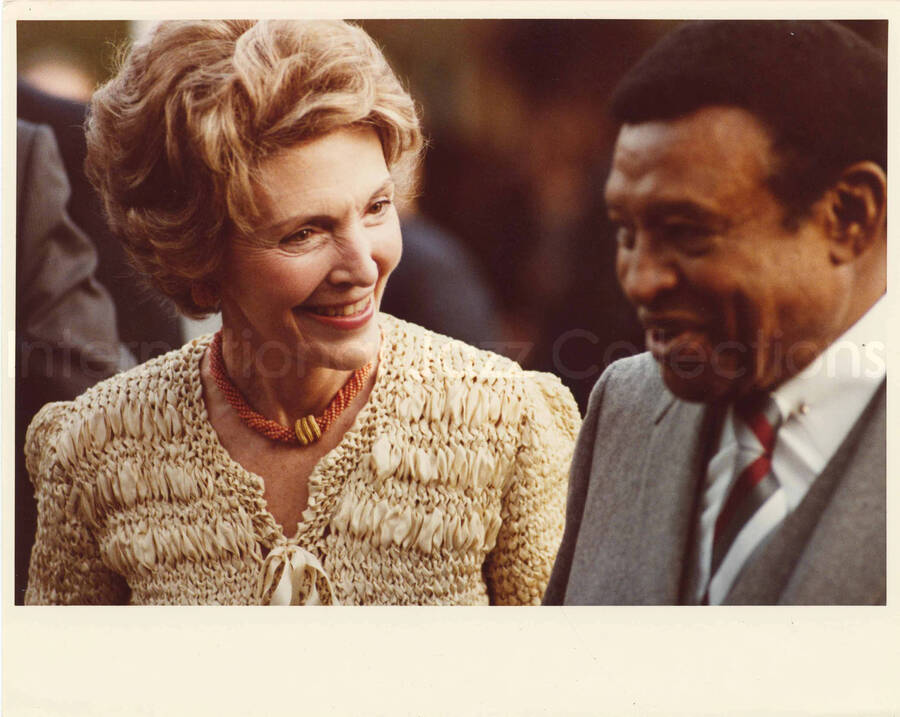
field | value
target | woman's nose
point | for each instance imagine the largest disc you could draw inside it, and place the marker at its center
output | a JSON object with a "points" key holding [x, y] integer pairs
{"points": [[355, 263]]}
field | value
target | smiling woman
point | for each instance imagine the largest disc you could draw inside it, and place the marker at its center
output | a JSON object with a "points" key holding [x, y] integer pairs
{"points": [[315, 450], [311, 276]]}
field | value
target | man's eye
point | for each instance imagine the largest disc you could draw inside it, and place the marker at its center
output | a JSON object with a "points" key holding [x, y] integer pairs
{"points": [[624, 236], [685, 231], [692, 238]]}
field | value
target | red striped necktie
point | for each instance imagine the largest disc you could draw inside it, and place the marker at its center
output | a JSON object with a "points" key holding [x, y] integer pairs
{"points": [[736, 534]]}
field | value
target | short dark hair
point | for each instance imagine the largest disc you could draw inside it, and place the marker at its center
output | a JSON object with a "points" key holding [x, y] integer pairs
{"points": [[818, 87]]}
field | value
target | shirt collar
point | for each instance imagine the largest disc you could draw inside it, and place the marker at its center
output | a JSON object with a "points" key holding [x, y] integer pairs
{"points": [[855, 362]]}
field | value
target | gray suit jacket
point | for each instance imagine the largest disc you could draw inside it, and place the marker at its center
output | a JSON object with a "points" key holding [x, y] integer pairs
{"points": [[633, 495]]}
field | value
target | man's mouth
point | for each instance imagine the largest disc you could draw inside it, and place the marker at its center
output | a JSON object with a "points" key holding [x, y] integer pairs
{"points": [[671, 339], [660, 334]]}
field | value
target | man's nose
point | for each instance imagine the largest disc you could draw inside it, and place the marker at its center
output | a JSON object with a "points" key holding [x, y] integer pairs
{"points": [[645, 272]]}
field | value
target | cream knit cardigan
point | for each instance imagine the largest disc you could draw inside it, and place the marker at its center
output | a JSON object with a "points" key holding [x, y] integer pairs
{"points": [[449, 488]]}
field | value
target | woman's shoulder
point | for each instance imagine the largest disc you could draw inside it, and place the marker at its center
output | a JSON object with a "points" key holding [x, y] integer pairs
{"points": [[423, 356], [148, 398], [413, 350], [170, 377]]}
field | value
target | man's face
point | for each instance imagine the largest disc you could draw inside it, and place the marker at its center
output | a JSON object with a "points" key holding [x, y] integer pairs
{"points": [[730, 299]]}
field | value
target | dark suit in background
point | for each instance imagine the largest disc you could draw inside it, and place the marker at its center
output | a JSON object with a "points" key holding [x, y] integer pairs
{"points": [[438, 285], [146, 324], [66, 337]]}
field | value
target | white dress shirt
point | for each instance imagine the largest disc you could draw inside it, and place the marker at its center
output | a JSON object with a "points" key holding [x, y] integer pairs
{"points": [[818, 406]]}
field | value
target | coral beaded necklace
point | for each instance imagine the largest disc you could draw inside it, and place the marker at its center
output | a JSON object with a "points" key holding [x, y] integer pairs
{"points": [[307, 429]]}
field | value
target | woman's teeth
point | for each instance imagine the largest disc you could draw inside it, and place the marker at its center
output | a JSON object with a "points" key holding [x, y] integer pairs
{"points": [[348, 310]]}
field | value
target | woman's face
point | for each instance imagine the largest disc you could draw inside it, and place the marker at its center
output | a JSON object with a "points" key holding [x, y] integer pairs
{"points": [[306, 287]]}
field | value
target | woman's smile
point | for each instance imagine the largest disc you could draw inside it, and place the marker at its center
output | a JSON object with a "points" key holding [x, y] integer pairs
{"points": [[343, 316]]}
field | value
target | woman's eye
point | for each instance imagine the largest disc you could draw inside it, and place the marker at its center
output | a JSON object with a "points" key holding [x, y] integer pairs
{"points": [[298, 236], [379, 207]]}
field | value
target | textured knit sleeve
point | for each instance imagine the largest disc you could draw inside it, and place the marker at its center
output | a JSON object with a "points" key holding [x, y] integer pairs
{"points": [[533, 508], [66, 567]]}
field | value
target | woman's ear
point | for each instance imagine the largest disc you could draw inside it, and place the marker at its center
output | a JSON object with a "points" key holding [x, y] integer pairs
{"points": [[205, 294], [856, 206]]}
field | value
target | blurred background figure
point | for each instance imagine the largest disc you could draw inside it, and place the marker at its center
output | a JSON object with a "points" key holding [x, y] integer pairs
{"points": [[440, 285], [145, 324], [66, 337], [59, 72]]}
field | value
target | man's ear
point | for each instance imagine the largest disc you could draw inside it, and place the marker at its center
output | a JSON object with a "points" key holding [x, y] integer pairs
{"points": [[856, 205]]}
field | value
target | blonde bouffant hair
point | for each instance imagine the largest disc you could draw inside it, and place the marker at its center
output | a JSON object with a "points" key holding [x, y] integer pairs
{"points": [[176, 138]]}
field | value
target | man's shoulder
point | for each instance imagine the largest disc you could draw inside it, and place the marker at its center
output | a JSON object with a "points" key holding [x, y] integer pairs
{"points": [[628, 397], [641, 367], [635, 376]]}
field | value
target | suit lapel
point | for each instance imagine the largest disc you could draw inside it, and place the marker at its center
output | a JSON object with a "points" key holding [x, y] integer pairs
{"points": [[672, 470], [828, 551]]}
